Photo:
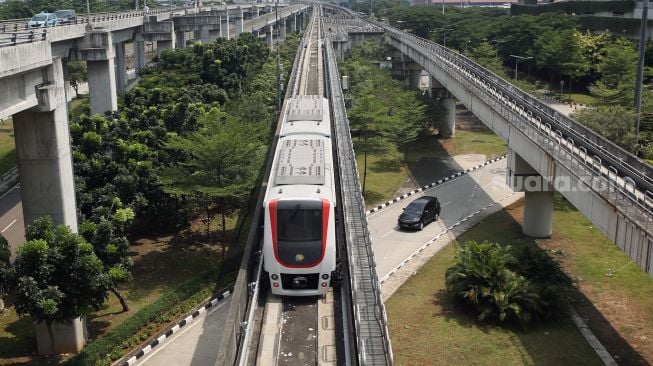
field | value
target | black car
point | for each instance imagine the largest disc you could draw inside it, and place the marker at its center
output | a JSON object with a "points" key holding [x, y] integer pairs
{"points": [[420, 212]]}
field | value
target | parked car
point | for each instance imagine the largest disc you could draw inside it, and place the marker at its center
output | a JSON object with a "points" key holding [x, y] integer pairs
{"points": [[43, 20], [419, 213], [66, 16]]}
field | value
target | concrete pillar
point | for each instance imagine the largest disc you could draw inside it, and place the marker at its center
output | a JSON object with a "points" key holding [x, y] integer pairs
{"points": [[538, 197], [205, 36], [292, 22], [269, 39], [437, 90], [412, 76], [239, 23], [139, 55], [214, 34], [257, 11], [182, 38], [282, 30], [102, 85], [68, 337], [121, 66], [43, 154], [224, 25], [164, 45]]}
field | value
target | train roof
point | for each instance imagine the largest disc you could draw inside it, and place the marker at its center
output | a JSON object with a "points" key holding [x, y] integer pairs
{"points": [[300, 161], [307, 114]]}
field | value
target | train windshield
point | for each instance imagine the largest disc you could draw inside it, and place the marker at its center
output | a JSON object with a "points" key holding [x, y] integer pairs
{"points": [[299, 224]]}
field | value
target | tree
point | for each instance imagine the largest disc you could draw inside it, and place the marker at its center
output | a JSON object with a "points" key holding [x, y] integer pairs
{"points": [[6, 270], [615, 123], [559, 51], [486, 55], [221, 161], [111, 246], [618, 69], [59, 277], [78, 74]]}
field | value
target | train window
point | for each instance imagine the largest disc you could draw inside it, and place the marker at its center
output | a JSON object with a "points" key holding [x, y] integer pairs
{"points": [[299, 224]]}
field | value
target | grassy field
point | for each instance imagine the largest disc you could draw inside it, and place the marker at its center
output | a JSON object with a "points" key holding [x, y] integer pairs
{"points": [[611, 294], [384, 180], [7, 146]]}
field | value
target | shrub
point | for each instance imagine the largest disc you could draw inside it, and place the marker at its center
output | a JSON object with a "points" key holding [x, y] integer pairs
{"points": [[488, 278]]}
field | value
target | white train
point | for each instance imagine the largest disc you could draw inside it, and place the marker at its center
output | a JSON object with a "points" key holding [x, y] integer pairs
{"points": [[299, 241]]}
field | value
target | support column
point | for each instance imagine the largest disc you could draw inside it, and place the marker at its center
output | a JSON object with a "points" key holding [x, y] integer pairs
{"points": [[292, 21], [181, 39], [224, 25], [164, 45], [282, 30], [102, 86], [121, 66], [269, 39], [205, 35], [139, 55], [538, 197], [43, 155], [239, 22], [257, 11], [213, 35], [448, 101]]}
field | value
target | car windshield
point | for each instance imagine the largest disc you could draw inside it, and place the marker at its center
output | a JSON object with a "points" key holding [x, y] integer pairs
{"points": [[39, 17], [415, 207], [63, 13]]}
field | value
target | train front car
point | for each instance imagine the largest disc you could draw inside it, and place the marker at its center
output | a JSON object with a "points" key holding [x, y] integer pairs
{"points": [[299, 246]]}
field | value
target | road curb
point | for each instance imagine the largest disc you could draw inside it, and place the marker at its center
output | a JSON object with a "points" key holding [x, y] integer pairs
{"points": [[435, 184], [159, 338]]}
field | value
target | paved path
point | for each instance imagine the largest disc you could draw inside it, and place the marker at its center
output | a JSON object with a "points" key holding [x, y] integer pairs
{"points": [[459, 199], [196, 344], [12, 226]]}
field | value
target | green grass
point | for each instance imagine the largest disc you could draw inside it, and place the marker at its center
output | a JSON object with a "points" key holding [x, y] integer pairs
{"points": [[7, 146], [583, 99], [428, 328], [77, 106], [384, 179]]}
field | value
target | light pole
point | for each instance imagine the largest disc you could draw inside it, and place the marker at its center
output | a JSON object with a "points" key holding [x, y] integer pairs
{"points": [[442, 7], [640, 68], [517, 59], [88, 16], [444, 35]]}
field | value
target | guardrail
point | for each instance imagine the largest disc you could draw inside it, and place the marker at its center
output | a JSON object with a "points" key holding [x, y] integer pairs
{"points": [[10, 39], [590, 158], [370, 321]]}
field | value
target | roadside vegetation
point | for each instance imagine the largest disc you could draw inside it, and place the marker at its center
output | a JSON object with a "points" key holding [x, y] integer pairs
{"points": [[163, 190]]}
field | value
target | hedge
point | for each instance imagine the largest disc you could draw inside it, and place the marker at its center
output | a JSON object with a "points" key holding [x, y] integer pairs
{"points": [[144, 323], [574, 7]]}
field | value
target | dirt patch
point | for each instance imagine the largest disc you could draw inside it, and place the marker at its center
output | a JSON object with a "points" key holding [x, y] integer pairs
{"points": [[467, 121]]}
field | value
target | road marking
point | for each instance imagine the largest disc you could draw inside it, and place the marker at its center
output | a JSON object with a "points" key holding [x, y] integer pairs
{"points": [[9, 191], [11, 223], [390, 232], [188, 326], [446, 203]]}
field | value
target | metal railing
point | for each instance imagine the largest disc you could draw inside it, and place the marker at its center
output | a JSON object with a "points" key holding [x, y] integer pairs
{"points": [[370, 320], [609, 171], [11, 39]]}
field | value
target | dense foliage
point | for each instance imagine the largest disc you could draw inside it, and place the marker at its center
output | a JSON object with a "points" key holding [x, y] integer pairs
{"points": [[385, 116], [58, 276], [6, 270], [500, 285]]}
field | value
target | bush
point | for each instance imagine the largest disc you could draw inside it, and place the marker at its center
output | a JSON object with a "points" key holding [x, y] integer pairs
{"points": [[490, 279]]}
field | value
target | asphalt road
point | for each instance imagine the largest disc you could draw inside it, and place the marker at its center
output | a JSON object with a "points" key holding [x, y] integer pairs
{"points": [[196, 344], [458, 199], [12, 226]]}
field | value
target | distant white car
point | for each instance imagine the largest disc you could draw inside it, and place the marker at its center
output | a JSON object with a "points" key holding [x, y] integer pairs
{"points": [[43, 20]]}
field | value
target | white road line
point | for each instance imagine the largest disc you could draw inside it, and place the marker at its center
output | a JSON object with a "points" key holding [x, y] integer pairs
{"points": [[7, 227], [390, 232], [446, 203], [11, 189], [188, 326]]}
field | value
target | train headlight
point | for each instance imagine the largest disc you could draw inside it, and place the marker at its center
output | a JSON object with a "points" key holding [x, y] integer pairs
{"points": [[324, 284], [325, 276], [274, 276]]}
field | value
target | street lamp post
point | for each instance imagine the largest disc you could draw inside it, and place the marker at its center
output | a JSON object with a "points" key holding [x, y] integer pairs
{"points": [[444, 35], [517, 59], [442, 7]]}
